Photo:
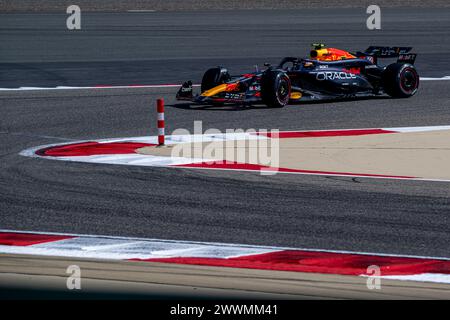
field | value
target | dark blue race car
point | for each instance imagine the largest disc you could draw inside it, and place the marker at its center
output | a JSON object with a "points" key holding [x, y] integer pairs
{"points": [[328, 73]]}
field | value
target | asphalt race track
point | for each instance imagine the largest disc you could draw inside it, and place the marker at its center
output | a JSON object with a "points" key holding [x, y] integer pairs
{"points": [[370, 215], [167, 47]]}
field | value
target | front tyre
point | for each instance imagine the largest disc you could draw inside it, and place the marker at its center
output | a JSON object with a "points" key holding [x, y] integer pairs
{"points": [[400, 80], [275, 88]]}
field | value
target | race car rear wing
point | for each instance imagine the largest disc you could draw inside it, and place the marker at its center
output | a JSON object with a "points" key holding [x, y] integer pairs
{"points": [[387, 52], [407, 58], [402, 53]]}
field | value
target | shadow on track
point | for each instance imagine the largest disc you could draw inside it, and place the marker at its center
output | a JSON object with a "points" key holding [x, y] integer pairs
{"points": [[244, 107]]}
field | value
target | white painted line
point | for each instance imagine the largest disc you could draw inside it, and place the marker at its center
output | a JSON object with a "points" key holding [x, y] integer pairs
{"points": [[435, 79], [418, 129], [396, 129], [133, 160], [423, 277], [445, 78], [140, 11], [120, 249], [154, 86]]}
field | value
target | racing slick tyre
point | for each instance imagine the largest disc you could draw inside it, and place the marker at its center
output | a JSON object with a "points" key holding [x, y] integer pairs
{"points": [[275, 88], [213, 77], [400, 80]]}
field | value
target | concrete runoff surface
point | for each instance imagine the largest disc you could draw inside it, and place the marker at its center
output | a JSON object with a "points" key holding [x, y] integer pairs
{"points": [[425, 154], [46, 277]]}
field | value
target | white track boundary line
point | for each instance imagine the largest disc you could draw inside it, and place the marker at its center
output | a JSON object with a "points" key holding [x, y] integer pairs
{"points": [[422, 277], [445, 78], [141, 11], [154, 86], [151, 86]]}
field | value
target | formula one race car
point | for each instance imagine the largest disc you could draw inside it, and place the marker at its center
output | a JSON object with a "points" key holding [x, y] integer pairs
{"points": [[328, 73]]}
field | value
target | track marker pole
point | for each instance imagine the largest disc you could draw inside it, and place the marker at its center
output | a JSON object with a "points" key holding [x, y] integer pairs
{"points": [[160, 110]]}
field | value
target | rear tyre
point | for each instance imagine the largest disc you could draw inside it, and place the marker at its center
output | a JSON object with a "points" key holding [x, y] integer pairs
{"points": [[213, 77], [400, 80], [275, 88]]}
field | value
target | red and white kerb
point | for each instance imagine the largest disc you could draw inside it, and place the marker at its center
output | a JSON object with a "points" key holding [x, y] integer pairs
{"points": [[426, 269], [160, 110]]}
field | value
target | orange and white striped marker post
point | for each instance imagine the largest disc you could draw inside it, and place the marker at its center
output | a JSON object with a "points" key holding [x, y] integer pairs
{"points": [[160, 110]]}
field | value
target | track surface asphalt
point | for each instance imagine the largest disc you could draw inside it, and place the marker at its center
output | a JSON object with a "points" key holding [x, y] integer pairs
{"points": [[386, 216]]}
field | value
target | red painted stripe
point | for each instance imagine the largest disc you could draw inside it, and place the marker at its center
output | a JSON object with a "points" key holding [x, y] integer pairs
{"points": [[328, 133], [92, 148], [321, 262], [256, 167], [27, 239]]}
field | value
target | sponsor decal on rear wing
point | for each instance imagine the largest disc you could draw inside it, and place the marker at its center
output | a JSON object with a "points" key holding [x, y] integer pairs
{"points": [[407, 58], [387, 52]]}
